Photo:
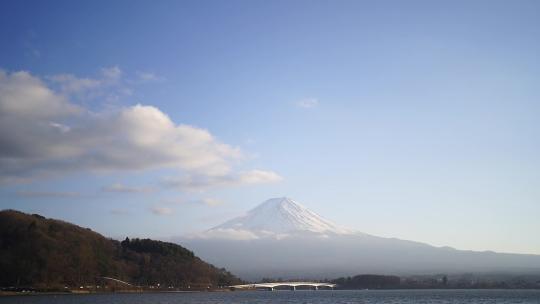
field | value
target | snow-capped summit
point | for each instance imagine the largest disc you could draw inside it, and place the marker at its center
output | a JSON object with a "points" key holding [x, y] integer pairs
{"points": [[277, 217]]}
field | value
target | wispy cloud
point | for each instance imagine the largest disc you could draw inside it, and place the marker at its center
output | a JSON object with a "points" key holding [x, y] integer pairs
{"points": [[47, 194], [161, 210], [113, 73], [36, 53], [30, 46], [147, 77], [308, 103], [212, 202], [71, 84], [121, 188], [109, 79]]}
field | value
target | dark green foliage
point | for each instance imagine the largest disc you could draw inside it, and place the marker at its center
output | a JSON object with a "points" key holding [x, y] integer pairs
{"points": [[369, 281], [46, 253], [150, 246], [456, 281]]}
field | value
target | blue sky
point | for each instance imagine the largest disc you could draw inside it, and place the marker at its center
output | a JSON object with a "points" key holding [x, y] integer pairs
{"points": [[415, 119]]}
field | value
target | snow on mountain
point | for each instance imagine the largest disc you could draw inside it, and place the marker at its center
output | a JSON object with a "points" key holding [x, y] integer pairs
{"points": [[278, 218]]}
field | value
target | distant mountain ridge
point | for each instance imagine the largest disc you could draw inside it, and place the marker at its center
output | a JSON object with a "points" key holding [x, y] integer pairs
{"points": [[45, 253], [281, 238]]}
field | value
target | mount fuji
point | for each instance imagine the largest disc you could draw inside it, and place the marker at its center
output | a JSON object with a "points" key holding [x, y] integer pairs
{"points": [[282, 238], [277, 218]]}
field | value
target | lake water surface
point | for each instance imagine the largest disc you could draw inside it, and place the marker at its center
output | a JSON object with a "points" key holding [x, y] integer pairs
{"points": [[304, 297]]}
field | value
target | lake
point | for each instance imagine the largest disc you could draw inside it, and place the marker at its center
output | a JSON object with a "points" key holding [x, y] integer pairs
{"points": [[304, 297]]}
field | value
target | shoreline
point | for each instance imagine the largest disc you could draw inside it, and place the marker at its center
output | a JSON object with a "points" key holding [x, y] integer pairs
{"points": [[56, 293], [37, 293]]}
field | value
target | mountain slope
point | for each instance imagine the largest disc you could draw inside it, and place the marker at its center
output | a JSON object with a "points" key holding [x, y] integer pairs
{"points": [[46, 253], [277, 217], [284, 240]]}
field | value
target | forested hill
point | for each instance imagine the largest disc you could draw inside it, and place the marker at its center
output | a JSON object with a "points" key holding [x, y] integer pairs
{"points": [[46, 253]]}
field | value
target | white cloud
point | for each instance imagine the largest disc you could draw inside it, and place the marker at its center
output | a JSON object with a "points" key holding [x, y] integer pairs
{"points": [[308, 103], [42, 133], [23, 96], [257, 177], [161, 210], [201, 182], [121, 188]]}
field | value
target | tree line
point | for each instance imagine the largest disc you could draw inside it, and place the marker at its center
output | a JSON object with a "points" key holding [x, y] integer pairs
{"points": [[51, 254]]}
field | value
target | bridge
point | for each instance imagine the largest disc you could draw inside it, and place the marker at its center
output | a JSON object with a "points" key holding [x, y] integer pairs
{"points": [[291, 285], [118, 281]]}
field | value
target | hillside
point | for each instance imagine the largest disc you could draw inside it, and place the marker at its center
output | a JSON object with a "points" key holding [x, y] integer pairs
{"points": [[47, 253]]}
